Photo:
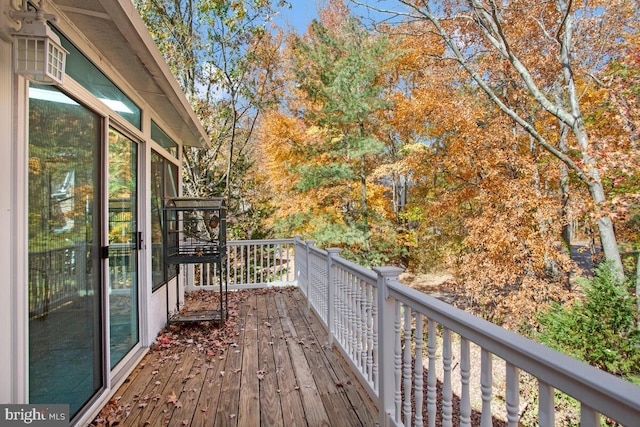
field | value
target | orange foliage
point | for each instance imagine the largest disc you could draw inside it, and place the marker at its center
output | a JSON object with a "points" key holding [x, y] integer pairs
{"points": [[482, 196]]}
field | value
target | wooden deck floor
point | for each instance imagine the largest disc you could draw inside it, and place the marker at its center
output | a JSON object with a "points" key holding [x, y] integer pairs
{"points": [[271, 366]]}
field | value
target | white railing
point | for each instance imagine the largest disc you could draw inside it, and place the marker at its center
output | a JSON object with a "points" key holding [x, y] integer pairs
{"points": [[420, 331], [249, 264], [423, 360]]}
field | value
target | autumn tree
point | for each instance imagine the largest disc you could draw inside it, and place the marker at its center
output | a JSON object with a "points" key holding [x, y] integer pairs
{"points": [[225, 57], [326, 133], [548, 49], [477, 196]]}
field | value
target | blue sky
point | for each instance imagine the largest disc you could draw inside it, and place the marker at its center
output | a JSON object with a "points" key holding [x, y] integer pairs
{"points": [[302, 12]]}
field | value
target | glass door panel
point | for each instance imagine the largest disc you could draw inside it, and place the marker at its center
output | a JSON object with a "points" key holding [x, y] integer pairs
{"points": [[123, 245], [65, 327]]}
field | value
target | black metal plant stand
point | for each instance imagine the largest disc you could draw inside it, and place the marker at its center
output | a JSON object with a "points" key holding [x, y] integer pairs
{"points": [[195, 233]]}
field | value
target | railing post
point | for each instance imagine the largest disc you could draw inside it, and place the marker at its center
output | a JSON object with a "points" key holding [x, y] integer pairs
{"points": [[386, 313], [189, 278], [331, 281], [297, 263]]}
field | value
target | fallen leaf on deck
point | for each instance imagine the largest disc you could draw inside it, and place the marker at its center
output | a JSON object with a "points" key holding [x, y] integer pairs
{"points": [[172, 398]]}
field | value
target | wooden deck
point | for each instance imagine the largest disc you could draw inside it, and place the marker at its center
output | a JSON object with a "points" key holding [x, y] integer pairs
{"points": [[271, 366]]}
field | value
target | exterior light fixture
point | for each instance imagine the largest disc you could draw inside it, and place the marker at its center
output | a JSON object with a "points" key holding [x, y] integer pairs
{"points": [[38, 54]]}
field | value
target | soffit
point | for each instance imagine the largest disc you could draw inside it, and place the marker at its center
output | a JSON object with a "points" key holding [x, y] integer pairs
{"points": [[116, 30]]}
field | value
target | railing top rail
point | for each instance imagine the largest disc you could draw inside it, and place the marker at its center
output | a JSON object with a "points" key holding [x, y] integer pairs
{"points": [[318, 251], [605, 393], [361, 272], [259, 242]]}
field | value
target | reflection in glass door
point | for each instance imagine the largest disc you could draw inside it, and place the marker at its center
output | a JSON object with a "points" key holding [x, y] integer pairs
{"points": [[123, 245], [65, 298]]}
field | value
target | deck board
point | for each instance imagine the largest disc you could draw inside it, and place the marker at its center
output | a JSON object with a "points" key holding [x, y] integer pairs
{"points": [[275, 368], [249, 409], [231, 375], [342, 387], [270, 407], [315, 413], [292, 409]]}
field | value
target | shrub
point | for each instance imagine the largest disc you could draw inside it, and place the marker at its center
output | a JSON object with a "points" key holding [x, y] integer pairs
{"points": [[600, 329]]}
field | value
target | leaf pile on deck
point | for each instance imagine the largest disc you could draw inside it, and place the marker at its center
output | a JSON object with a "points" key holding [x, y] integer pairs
{"points": [[207, 338]]}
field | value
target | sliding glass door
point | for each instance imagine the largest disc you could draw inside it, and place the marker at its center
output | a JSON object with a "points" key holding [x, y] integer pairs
{"points": [[75, 227], [65, 292], [123, 245]]}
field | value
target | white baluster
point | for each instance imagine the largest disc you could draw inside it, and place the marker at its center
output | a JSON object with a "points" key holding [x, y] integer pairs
{"points": [[589, 417], [406, 366], [338, 305], [397, 365], [257, 261], [546, 407], [277, 264], [375, 373], [465, 373], [513, 395], [486, 383], [447, 394], [252, 263], [355, 320], [418, 382], [265, 268], [362, 320], [359, 317], [431, 375], [345, 313], [228, 267], [370, 325]]}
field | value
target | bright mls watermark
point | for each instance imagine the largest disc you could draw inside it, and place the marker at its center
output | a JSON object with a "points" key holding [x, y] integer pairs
{"points": [[34, 415]]}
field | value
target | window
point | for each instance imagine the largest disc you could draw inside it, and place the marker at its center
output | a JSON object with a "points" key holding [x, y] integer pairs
{"points": [[91, 78], [164, 183], [159, 136]]}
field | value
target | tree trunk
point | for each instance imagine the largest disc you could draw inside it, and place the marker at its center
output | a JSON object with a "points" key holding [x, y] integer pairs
{"points": [[605, 229], [604, 222], [565, 195], [488, 21]]}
